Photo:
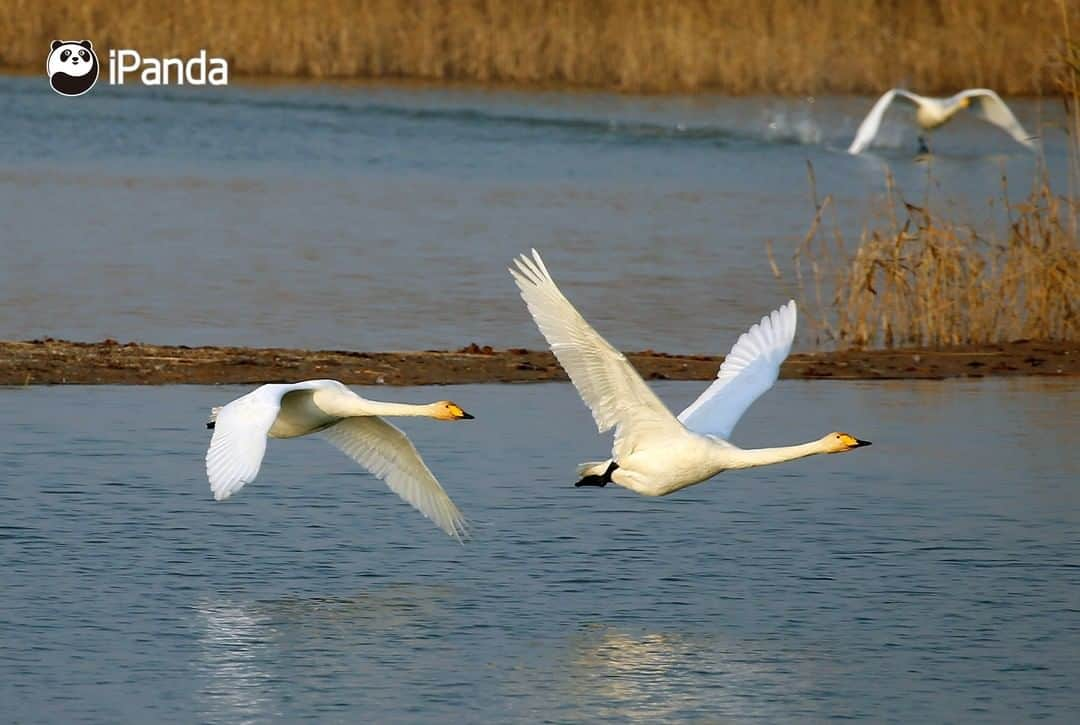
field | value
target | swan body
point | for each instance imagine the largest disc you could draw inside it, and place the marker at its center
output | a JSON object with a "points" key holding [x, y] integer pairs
{"points": [[655, 453], [930, 113], [348, 421]]}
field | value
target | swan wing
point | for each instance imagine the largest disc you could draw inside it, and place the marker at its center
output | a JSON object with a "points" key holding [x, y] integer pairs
{"points": [[388, 453], [750, 369], [869, 127], [988, 106], [239, 441], [606, 381]]}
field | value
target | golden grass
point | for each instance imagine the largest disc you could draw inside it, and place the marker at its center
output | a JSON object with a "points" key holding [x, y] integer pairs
{"points": [[921, 279], [735, 46]]}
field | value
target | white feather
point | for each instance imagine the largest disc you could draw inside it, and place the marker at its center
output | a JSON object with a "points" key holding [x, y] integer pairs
{"points": [[869, 127], [607, 382], [654, 453], [385, 451], [239, 441], [933, 112], [750, 369], [347, 420], [989, 107]]}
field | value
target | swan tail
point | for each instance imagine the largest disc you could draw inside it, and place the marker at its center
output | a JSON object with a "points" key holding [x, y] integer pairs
{"points": [[592, 468], [213, 417], [596, 473]]}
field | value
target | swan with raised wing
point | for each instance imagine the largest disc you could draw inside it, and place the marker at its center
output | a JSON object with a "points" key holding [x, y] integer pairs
{"points": [[931, 113], [654, 452], [349, 422]]}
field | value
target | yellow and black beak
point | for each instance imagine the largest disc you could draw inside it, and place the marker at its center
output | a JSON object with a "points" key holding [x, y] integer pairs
{"points": [[851, 442], [457, 413]]}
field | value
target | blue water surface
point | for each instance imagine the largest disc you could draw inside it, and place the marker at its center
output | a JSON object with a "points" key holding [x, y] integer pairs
{"points": [[932, 577]]}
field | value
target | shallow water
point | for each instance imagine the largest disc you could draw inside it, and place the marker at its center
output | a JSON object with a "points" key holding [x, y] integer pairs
{"points": [[934, 576], [368, 217]]}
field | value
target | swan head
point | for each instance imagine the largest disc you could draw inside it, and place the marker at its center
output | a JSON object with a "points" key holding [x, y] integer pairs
{"points": [[448, 410], [842, 443]]}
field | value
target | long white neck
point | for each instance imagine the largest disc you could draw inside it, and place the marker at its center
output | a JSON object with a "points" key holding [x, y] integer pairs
{"points": [[752, 457], [346, 404], [375, 407]]}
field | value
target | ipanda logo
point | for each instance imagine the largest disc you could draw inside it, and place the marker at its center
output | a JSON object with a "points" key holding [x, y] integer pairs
{"points": [[73, 68]]}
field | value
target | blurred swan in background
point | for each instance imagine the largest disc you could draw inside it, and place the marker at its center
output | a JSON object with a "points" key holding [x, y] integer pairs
{"points": [[349, 422], [654, 453], [930, 113]]}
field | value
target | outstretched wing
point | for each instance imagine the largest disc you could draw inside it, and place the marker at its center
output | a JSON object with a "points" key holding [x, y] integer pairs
{"points": [[385, 451], [239, 442], [604, 378], [988, 106], [869, 127], [748, 371]]}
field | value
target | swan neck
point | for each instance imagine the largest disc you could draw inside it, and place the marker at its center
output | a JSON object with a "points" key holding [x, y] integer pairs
{"points": [[751, 457], [375, 407]]}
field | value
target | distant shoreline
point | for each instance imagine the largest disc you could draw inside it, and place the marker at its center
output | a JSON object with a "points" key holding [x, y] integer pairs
{"points": [[63, 362], [632, 46], [409, 83]]}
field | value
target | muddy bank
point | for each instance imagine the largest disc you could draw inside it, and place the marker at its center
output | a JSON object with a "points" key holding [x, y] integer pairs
{"points": [[58, 362]]}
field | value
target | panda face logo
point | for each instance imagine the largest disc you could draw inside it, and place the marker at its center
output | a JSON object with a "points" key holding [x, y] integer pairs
{"points": [[72, 67]]}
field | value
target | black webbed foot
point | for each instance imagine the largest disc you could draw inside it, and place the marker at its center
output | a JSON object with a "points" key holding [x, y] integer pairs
{"points": [[599, 481]]}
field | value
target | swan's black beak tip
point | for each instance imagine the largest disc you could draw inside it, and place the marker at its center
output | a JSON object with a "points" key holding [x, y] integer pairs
{"points": [[860, 444], [466, 416]]}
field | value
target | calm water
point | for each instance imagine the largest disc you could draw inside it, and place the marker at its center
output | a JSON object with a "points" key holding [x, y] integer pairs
{"points": [[384, 218], [933, 577]]}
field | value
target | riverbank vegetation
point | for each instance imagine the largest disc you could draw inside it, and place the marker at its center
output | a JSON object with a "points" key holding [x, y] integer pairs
{"points": [[730, 46], [919, 277]]}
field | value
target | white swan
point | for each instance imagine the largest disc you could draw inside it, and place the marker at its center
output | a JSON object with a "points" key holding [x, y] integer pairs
{"points": [[654, 453], [348, 421], [933, 112]]}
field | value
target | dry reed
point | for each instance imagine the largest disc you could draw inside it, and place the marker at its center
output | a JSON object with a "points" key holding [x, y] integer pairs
{"points": [[924, 280], [919, 278], [735, 46]]}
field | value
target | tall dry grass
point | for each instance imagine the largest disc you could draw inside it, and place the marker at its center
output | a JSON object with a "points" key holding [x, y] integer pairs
{"points": [[736, 46], [922, 279]]}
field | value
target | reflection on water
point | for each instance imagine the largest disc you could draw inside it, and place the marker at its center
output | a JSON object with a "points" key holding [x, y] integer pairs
{"points": [[252, 653], [634, 675], [233, 649], [674, 676], [933, 576]]}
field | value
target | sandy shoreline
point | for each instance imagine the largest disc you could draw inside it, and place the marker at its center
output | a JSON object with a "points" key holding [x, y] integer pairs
{"points": [[60, 362]]}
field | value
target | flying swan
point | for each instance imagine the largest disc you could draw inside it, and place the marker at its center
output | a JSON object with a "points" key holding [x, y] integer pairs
{"points": [[654, 453], [347, 421], [931, 113]]}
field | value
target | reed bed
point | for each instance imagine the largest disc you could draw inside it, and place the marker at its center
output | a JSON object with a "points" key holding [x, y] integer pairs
{"points": [[922, 279], [917, 277], [733, 46]]}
